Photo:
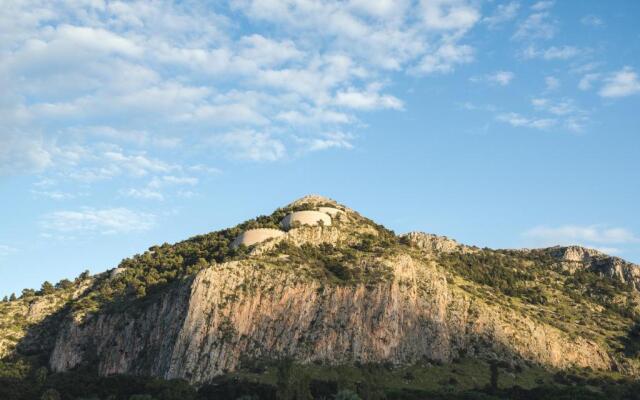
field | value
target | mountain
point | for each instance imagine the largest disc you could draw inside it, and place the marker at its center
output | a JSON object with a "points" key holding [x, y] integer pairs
{"points": [[324, 288]]}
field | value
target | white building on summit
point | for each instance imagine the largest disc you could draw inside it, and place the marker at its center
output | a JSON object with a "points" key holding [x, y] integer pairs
{"points": [[253, 236], [292, 220], [305, 218]]}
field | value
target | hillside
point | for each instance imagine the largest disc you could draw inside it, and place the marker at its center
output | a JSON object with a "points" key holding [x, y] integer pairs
{"points": [[417, 311]]}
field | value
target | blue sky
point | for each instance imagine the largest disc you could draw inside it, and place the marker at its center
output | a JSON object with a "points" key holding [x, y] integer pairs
{"points": [[128, 124]]}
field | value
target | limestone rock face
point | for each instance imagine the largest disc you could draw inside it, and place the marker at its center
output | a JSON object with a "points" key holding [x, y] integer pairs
{"points": [[433, 243], [310, 218], [263, 305], [239, 310], [332, 211], [576, 257]]}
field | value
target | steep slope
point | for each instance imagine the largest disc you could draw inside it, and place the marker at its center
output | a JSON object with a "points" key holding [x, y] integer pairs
{"points": [[352, 292]]}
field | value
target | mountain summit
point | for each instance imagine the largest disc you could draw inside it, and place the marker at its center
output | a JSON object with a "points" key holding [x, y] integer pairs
{"points": [[317, 283]]}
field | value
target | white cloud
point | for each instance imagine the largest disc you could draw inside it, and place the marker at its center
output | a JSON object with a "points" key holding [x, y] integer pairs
{"points": [[88, 85], [517, 120], [538, 25], [251, 145], [143, 193], [502, 78], [562, 107], [6, 250], [586, 82], [165, 180], [19, 153], [551, 83], [339, 140], [590, 235], [552, 53], [102, 221], [445, 59], [592, 20], [368, 99], [449, 14], [137, 164], [542, 5], [571, 116], [502, 13], [621, 83], [54, 194]]}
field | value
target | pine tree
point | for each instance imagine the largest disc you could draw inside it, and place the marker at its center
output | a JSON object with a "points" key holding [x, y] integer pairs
{"points": [[47, 288]]}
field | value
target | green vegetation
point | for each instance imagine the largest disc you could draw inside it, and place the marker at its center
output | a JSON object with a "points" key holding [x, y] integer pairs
{"points": [[580, 303], [330, 264], [465, 379]]}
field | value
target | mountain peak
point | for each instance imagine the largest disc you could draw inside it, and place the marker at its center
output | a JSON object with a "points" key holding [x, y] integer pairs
{"points": [[313, 199]]}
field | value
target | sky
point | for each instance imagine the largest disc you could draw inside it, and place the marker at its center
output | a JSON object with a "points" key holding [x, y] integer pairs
{"points": [[125, 124]]}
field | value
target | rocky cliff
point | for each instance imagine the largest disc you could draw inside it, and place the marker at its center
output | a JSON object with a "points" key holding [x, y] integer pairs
{"points": [[352, 292], [240, 311], [576, 257]]}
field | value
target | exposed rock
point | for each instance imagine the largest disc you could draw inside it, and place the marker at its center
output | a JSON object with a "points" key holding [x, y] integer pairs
{"points": [[577, 257], [332, 211], [434, 243], [241, 310]]}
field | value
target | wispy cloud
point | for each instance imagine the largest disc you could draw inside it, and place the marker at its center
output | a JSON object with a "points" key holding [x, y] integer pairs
{"points": [[101, 221], [552, 53], [551, 83], [503, 13], [592, 20], [621, 83], [501, 78], [154, 78], [520, 121], [250, 145], [6, 250], [587, 80], [540, 24], [445, 59]]}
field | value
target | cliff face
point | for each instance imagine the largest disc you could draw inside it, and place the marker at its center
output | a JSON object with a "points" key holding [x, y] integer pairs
{"points": [[137, 341], [239, 311], [576, 257], [352, 292]]}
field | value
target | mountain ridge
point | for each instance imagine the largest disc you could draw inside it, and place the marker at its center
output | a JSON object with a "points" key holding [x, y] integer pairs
{"points": [[351, 292]]}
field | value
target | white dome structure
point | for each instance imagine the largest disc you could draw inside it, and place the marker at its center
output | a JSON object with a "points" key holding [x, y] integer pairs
{"points": [[332, 211], [305, 218], [253, 236]]}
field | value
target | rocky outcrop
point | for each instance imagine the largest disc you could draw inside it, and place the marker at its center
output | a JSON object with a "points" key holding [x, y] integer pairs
{"points": [[137, 341], [238, 311], [281, 301], [577, 257], [431, 243]]}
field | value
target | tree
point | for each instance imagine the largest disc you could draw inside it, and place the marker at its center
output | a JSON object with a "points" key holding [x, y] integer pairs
{"points": [[12, 297], [28, 292], [292, 383], [47, 288], [64, 284], [5, 299], [346, 394], [495, 372], [40, 375], [83, 276], [50, 394]]}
